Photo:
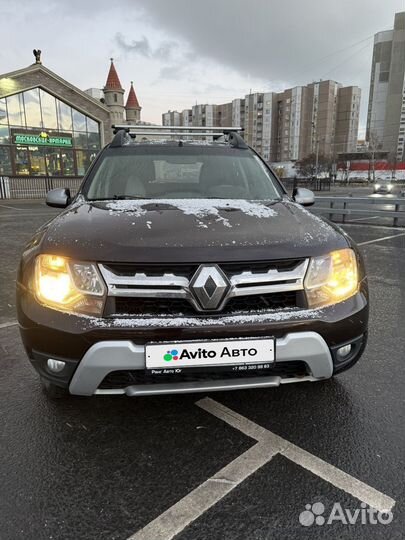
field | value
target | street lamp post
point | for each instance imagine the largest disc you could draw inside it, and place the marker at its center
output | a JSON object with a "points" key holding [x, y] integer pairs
{"points": [[317, 158], [314, 127]]}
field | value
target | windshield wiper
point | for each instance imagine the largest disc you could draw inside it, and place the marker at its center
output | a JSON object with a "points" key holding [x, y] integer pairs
{"points": [[120, 198], [127, 197], [272, 201]]}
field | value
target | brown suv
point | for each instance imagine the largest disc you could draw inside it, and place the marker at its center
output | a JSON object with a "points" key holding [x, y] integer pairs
{"points": [[184, 266]]}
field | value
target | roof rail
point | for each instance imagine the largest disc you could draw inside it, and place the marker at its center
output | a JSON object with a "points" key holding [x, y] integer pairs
{"points": [[121, 138], [236, 140]]}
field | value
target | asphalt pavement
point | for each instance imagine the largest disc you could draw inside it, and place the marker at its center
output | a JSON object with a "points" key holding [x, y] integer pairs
{"points": [[230, 465]]}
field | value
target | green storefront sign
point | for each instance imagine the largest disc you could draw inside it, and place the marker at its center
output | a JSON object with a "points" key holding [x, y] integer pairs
{"points": [[43, 139]]}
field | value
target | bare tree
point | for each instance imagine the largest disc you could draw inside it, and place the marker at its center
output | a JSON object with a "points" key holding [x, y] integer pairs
{"points": [[313, 164], [392, 162]]}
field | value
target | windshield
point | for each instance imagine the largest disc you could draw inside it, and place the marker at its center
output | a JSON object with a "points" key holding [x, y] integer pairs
{"points": [[181, 173]]}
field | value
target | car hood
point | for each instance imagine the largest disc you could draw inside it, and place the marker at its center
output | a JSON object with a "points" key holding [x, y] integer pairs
{"points": [[194, 230]]}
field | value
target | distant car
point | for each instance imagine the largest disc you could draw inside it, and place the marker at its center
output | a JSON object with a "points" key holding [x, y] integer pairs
{"points": [[383, 186]]}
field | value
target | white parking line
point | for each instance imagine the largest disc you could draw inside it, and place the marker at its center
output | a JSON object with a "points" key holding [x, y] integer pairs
{"points": [[7, 324], [192, 506], [31, 214], [380, 239], [12, 207], [321, 468]]}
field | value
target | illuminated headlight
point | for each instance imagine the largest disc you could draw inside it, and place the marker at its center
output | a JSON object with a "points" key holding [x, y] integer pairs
{"points": [[389, 187], [68, 285], [331, 278], [377, 186]]}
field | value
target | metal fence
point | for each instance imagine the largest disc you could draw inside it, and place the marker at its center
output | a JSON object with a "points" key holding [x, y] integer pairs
{"points": [[348, 206], [35, 187], [315, 184]]}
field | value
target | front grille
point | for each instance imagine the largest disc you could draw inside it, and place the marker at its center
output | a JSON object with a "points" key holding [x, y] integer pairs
{"points": [[156, 290], [121, 379], [173, 307], [188, 270]]}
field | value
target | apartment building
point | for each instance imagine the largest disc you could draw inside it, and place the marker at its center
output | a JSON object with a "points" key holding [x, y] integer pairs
{"points": [[204, 115], [238, 112], [347, 119], [186, 117], [171, 118], [322, 117], [224, 115], [386, 108], [259, 123], [287, 140]]}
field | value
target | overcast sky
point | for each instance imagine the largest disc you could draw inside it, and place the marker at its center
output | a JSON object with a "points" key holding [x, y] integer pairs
{"points": [[180, 52]]}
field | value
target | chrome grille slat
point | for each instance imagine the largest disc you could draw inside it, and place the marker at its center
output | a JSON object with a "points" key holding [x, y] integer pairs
{"points": [[297, 274], [265, 289], [166, 285]]}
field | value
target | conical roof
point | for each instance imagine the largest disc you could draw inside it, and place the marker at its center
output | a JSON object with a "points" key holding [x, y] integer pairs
{"points": [[132, 101], [113, 81]]}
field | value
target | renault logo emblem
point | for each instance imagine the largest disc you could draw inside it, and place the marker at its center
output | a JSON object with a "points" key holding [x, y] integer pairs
{"points": [[209, 286]]}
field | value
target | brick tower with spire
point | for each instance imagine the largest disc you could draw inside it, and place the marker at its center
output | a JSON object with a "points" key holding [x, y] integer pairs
{"points": [[114, 95], [132, 107]]}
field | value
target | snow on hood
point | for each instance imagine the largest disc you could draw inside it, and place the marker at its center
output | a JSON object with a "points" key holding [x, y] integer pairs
{"points": [[199, 208]]}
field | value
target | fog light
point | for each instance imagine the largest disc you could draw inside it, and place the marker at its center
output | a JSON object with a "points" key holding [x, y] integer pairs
{"points": [[55, 365], [344, 351]]}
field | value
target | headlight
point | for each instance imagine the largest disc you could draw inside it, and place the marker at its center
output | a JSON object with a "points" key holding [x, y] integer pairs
{"points": [[331, 278], [390, 186], [68, 285], [377, 186]]}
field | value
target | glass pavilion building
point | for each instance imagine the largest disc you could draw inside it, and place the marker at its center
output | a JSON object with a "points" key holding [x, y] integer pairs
{"points": [[48, 127]]}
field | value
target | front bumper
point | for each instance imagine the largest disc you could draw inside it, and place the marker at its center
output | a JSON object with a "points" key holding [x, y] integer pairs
{"points": [[91, 348], [107, 356]]}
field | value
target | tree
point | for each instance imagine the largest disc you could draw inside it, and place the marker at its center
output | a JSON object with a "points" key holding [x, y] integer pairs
{"points": [[373, 146], [392, 163], [307, 166]]}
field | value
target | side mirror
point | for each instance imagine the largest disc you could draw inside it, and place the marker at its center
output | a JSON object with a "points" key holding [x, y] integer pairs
{"points": [[304, 196], [58, 198]]}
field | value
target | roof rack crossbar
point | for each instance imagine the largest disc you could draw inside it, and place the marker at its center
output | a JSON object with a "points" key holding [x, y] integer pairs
{"points": [[123, 135], [177, 134], [136, 127]]}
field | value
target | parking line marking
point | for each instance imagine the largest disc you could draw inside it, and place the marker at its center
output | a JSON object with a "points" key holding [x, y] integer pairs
{"points": [[317, 466], [179, 516], [339, 479], [192, 506], [239, 422], [31, 214], [7, 324], [381, 239], [12, 207]]}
